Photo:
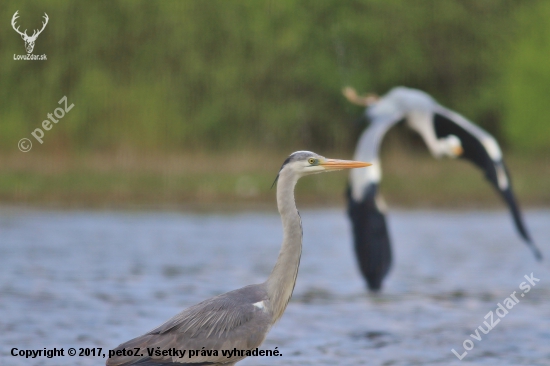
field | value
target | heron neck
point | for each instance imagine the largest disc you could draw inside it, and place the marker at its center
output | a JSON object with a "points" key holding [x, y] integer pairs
{"points": [[282, 279]]}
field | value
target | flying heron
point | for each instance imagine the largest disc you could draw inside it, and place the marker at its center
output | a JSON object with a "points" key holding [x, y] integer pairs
{"points": [[239, 319], [446, 133]]}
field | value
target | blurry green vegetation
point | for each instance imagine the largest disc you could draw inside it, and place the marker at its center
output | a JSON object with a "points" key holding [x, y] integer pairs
{"points": [[232, 180], [188, 76], [198, 102], [526, 82]]}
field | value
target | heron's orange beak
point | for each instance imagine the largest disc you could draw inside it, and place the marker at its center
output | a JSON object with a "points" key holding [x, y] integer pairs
{"points": [[360, 100], [334, 164], [458, 150]]}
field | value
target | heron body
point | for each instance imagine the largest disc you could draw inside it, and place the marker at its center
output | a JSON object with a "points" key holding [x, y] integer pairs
{"points": [[238, 319], [446, 133]]}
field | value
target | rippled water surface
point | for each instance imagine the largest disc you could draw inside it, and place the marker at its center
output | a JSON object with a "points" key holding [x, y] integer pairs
{"points": [[96, 279]]}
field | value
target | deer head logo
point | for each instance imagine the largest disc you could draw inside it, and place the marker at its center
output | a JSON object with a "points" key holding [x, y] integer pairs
{"points": [[29, 41]]}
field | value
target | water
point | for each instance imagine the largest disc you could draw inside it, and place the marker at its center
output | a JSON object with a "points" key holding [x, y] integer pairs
{"points": [[96, 279]]}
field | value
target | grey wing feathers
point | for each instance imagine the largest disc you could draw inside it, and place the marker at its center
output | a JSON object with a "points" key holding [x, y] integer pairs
{"points": [[216, 316], [224, 322], [149, 362]]}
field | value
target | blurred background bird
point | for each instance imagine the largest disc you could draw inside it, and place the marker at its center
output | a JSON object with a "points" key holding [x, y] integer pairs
{"points": [[446, 133]]}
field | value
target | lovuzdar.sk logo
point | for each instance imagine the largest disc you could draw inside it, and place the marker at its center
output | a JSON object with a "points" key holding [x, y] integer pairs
{"points": [[29, 40]]}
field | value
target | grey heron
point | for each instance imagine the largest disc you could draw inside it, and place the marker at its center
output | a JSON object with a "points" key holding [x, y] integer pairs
{"points": [[446, 133], [239, 319]]}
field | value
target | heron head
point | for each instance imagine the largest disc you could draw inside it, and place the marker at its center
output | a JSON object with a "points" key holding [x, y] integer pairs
{"points": [[302, 163], [451, 146], [360, 100]]}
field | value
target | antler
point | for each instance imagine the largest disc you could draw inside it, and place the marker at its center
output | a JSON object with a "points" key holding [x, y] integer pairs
{"points": [[34, 34], [13, 19]]}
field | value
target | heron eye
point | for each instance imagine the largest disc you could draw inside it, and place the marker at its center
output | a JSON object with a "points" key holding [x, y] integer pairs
{"points": [[312, 161]]}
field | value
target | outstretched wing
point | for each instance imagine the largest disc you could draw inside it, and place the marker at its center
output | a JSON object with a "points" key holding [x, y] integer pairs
{"points": [[236, 319], [371, 238], [370, 232], [482, 149]]}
